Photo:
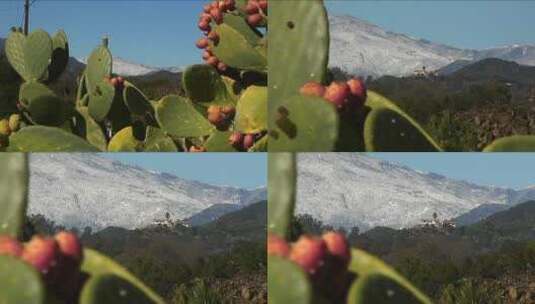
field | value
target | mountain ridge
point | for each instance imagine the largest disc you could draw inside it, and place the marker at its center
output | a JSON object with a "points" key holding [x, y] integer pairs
{"points": [[85, 190], [348, 189], [362, 48]]}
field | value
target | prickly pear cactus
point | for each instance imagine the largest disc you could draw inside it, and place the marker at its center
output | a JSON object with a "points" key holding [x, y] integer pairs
{"points": [[54, 269], [350, 118], [322, 269], [224, 107]]}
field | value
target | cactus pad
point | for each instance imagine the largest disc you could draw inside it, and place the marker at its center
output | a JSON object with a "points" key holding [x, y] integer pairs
{"points": [[47, 139], [282, 175], [219, 142], [179, 118], [97, 264], [99, 67], [15, 274], [298, 49], [100, 100], [372, 274], [251, 111], [124, 141], [13, 189], [136, 101], [44, 106], [388, 129], [203, 84], [293, 130], [60, 56], [90, 129], [517, 143], [30, 55], [157, 141], [287, 283]]}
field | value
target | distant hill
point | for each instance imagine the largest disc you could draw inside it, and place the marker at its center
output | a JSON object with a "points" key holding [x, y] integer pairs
{"points": [[479, 213]]}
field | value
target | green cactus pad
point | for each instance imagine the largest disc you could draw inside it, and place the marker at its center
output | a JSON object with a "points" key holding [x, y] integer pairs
{"points": [[89, 129], [82, 88], [30, 55], [99, 67], [44, 107], [304, 123], [298, 49], [136, 101], [203, 84], [124, 141], [251, 111], [60, 55], [96, 264], [517, 143], [239, 23], [13, 191], [388, 129], [261, 145], [47, 139], [101, 99], [374, 273], [287, 283], [20, 282], [108, 288], [119, 114], [219, 142], [179, 118], [236, 51], [282, 175], [157, 141]]}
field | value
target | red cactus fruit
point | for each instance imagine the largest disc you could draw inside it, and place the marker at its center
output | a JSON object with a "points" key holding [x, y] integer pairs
{"points": [[69, 245], [213, 36], [231, 5], [248, 141], [236, 139], [255, 19], [206, 55], [252, 7], [204, 25], [195, 149], [229, 111], [202, 43], [217, 15], [313, 88], [309, 253], [337, 93], [114, 82], [263, 4], [10, 246], [277, 246], [213, 61], [207, 8], [221, 66], [337, 246], [358, 89], [41, 253]]}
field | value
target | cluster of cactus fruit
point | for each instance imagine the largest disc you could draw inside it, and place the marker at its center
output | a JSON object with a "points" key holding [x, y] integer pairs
{"points": [[300, 121], [321, 269], [213, 14], [112, 114], [57, 260], [324, 259], [54, 269]]}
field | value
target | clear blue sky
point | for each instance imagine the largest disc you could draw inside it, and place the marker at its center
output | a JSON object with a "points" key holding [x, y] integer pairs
{"points": [[465, 24], [244, 170], [514, 170], [156, 33]]}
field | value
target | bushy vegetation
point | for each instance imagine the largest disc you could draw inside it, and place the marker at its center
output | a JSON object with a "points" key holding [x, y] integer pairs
{"points": [[478, 263]]}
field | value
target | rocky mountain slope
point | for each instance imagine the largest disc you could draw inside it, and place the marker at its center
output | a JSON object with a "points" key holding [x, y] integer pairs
{"points": [[88, 190], [350, 189]]}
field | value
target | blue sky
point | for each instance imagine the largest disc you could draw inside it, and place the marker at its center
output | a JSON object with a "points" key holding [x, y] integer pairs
{"points": [[465, 24], [515, 170], [244, 170], [156, 33]]}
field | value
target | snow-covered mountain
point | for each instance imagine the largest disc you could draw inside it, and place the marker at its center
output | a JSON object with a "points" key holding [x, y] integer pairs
{"points": [[350, 189], [361, 48], [88, 190], [128, 68]]}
